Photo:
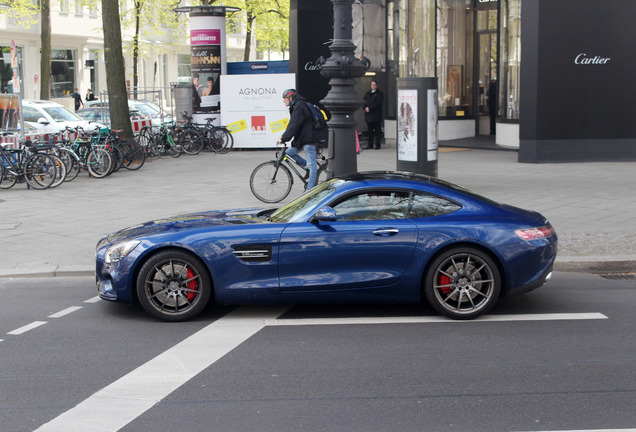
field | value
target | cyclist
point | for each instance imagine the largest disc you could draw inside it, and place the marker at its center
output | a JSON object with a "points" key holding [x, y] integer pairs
{"points": [[301, 129]]}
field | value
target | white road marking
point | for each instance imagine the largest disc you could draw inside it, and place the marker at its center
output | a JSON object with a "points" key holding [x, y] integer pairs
{"points": [[435, 319], [116, 405], [27, 327], [588, 430], [93, 300], [65, 312], [121, 402]]}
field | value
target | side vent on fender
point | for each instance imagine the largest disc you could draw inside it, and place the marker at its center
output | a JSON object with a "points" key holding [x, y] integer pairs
{"points": [[253, 253]]}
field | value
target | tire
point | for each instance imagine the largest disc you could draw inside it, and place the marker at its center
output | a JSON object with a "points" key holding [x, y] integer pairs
{"points": [[173, 286], [191, 141], [72, 162], [60, 174], [8, 179], [146, 141], [268, 188], [40, 171], [117, 156], [134, 156], [462, 283], [98, 163], [219, 140]]}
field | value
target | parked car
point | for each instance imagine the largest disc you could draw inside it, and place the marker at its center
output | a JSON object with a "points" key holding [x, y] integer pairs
{"points": [[366, 237], [102, 115], [51, 117], [141, 106]]}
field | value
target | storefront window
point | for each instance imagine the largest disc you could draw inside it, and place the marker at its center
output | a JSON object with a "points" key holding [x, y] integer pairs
{"points": [[184, 68], [454, 57], [509, 83], [62, 73]]}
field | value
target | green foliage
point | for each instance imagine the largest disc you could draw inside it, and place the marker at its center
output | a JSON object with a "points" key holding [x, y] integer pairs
{"points": [[25, 12], [267, 20]]}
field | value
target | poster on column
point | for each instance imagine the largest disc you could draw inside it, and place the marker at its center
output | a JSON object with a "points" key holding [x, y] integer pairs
{"points": [[407, 125], [208, 63], [252, 108]]}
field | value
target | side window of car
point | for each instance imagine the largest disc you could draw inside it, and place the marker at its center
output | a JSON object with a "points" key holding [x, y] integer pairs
{"points": [[377, 205], [31, 114], [427, 205]]}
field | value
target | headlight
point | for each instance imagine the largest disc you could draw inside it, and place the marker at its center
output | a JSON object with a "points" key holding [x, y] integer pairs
{"points": [[119, 251]]}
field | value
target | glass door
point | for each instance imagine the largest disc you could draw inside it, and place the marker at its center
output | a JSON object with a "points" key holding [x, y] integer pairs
{"points": [[485, 99]]}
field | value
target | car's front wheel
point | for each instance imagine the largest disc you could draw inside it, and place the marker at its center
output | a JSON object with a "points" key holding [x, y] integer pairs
{"points": [[173, 285], [462, 283]]}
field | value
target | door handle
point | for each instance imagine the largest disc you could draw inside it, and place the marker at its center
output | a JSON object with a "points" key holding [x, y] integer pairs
{"points": [[386, 232]]}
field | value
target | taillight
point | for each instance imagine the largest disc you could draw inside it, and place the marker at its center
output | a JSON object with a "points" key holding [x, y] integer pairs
{"points": [[535, 233]]}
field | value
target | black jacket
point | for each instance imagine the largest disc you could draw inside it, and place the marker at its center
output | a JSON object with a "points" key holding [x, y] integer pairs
{"points": [[300, 126], [374, 102]]}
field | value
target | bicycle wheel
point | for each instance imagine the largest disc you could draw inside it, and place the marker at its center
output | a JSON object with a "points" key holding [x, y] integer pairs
{"points": [[191, 141], [220, 140], [40, 171], [60, 173], [134, 156], [146, 141], [98, 163], [72, 162], [9, 178], [271, 182], [117, 157]]}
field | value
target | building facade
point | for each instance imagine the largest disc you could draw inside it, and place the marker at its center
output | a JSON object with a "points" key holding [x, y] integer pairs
{"points": [[557, 104]]}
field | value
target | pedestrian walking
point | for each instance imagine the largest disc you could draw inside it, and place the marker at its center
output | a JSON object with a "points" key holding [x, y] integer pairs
{"points": [[373, 101], [301, 129], [78, 99]]}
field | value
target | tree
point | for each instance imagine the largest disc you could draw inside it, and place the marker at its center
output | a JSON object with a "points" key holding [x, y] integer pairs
{"points": [[45, 50], [268, 14], [115, 77], [157, 29]]}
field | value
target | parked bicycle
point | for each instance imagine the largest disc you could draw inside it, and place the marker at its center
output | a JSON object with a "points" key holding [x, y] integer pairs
{"points": [[160, 143], [25, 164], [217, 138], [189, 136], [272, 181]]}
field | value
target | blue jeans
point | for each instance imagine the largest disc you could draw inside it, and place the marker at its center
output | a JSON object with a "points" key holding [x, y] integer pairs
{"points": [[310, 164]]}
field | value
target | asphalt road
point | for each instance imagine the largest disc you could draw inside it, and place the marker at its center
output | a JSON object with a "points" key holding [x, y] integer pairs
{"points": [[560, 358]]}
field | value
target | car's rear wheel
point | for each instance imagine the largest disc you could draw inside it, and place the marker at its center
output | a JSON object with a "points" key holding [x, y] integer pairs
{"points": [[173, 285], [462, 283]]}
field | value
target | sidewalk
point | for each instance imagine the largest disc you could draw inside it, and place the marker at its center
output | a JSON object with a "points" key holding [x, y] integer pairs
{"points": [[53, 232]]}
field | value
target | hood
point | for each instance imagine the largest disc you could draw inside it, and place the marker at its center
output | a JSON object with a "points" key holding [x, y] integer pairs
{"points": [[188, 221]]}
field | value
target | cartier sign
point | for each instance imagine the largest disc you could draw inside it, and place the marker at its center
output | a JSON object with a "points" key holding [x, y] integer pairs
{"points": [[584, 59]]}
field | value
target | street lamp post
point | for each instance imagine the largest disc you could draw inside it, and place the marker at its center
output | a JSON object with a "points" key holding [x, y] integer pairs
{"points": [[342, 67]]}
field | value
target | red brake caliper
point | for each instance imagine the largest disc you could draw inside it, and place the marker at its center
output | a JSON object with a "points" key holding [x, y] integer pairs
{"points": [[192, 285], [444, 280]]}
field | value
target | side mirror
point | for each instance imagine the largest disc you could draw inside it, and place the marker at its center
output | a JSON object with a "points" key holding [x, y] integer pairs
{"points": [[42, 121], [326, 214]]}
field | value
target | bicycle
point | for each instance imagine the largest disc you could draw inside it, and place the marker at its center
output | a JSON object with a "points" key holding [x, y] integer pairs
{"points": [[217, 138], [18, 165], [163, 142], [272, 181], [189, 136]]}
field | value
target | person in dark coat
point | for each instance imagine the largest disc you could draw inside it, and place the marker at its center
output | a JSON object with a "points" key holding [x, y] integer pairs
{"points": [[492, 105], [301, 129], [78, 99], [373, 101]]}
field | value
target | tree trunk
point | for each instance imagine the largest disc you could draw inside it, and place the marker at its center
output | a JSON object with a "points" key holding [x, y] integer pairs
{"points": [[138, 6], [248, 37], [115, 73], [45, 54]]}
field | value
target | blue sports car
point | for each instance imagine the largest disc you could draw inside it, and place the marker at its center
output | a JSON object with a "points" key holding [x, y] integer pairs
{"points": [[367, 237]]}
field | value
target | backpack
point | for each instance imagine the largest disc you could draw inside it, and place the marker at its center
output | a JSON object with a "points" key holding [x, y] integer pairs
{"points": [[319, 123]]}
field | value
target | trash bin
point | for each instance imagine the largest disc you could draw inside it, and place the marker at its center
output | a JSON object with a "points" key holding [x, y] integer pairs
{"points": [[417, 125]]}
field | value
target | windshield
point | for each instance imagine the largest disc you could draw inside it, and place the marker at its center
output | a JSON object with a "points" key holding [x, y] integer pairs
{"points": [[143, 108], [298, 209], [62, 114]]}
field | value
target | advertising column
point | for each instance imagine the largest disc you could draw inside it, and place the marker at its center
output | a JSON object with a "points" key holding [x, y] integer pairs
{"points": [[417, 122], [208, 61]]}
